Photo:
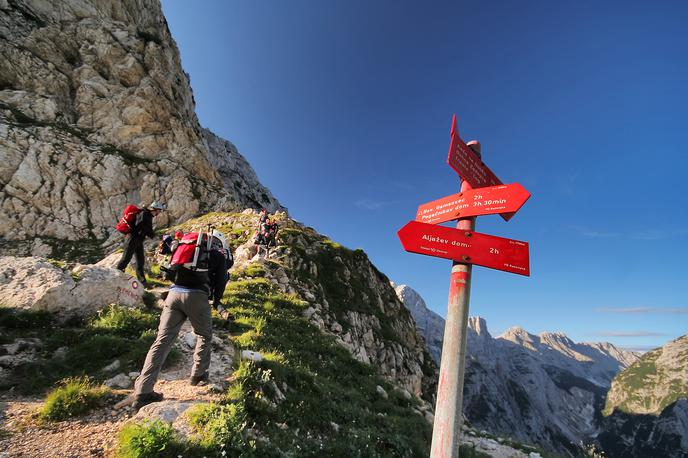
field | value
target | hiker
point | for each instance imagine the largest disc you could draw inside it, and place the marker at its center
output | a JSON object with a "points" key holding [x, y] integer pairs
{"points": [[138, 225], [259, 237], [262, 217], [168, 244], [194, 265], [271, 234]]}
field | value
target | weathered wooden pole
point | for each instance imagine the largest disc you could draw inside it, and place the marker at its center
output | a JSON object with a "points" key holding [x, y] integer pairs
{"points": [[446, 433]]}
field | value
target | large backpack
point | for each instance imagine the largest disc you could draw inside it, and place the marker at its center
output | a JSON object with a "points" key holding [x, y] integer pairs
{"points": [[127, 223], [190, 261]]}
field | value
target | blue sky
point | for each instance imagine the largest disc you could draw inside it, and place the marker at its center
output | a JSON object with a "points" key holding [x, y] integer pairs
{"points": [[344, 109]]}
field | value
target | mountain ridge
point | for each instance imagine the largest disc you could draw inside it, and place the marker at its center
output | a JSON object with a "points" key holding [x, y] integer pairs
{"points": [[544, 389]]}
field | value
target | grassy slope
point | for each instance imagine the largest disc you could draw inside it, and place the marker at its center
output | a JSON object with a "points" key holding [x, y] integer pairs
{"points": [[309, 396], [90, 344]]}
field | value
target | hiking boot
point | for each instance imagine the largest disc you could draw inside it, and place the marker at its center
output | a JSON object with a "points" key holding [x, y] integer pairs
{"points": [[145, 398], [199, 380]]}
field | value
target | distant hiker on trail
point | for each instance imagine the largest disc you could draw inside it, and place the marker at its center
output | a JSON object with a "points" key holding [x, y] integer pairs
{"points": [[266, 235], [198, 270], [168, 244], [271, 233], [262, 217], [137, 224]]}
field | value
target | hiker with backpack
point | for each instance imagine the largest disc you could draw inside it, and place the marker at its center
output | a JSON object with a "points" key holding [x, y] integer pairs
{"points": [[271, 235], [168, 243], [262, 217], [137, 224], [265, 236], [198, 270]]}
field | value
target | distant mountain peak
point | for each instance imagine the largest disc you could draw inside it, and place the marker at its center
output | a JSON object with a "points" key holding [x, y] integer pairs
{"points": [[479, 325], [518, 335]]}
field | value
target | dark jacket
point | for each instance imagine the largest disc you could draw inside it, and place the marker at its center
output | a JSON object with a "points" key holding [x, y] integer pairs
{"points": [[143, 227]]}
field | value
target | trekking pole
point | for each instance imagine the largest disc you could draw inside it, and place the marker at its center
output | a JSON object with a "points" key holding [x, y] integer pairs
{"points": [[197, 250], [210, 231]]}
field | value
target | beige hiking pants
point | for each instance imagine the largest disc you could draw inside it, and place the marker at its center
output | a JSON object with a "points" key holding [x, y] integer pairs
{"points": [[178, 307]]}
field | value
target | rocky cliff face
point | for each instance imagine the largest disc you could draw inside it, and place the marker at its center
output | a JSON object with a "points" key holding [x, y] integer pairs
{"points": [[543, 389], [429, 324], [96, 112], [647, 405]]}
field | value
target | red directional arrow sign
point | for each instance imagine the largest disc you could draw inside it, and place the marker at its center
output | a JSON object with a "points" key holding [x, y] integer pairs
{"points": [[506, 199], [466, 246], [467, 164]]}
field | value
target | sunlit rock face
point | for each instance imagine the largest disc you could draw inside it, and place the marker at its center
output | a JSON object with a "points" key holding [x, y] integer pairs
{"points": [[429, 324], [647, 405], [96, 112]]}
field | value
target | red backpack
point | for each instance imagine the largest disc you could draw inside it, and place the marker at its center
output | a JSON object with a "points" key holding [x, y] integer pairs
{"points": [[184, 254], [190, 261], [127, 223]]}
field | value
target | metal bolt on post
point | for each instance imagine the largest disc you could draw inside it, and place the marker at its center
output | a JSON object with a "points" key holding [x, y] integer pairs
{"points": [[446, 434]]}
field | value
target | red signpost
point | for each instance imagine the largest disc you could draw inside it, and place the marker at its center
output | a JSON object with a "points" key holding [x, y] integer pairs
{"points": [[466, 246], [505, 199], [482, 193], [468, 164]]}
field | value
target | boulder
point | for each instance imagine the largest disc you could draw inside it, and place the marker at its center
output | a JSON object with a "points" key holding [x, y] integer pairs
{"points": [[35, 283], [119, 381], [249, 355], [381, 391], [168, 411]]}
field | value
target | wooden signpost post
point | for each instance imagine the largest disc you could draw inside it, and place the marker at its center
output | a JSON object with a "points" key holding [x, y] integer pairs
{"points": [[482, 193]]}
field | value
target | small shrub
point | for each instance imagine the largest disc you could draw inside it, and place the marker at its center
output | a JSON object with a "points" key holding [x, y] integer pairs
{"points": [[74, 397], [124, 321], [220, 427], [58, 263], [149, 299], [149, 440], [254, 270], [25, 319]]}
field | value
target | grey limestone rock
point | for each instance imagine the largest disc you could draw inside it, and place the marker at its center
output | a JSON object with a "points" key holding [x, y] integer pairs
{"points": [[35, 283], [96, 112]]}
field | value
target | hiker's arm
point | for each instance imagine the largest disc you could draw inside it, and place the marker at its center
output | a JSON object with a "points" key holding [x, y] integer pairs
{"points": [[218, 277]]}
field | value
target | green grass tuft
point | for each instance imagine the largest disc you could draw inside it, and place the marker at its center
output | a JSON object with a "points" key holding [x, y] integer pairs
{"points": [[74, 396], [149, 440], [18, 319], [254, 270], [124, 321], [220, 427]]}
